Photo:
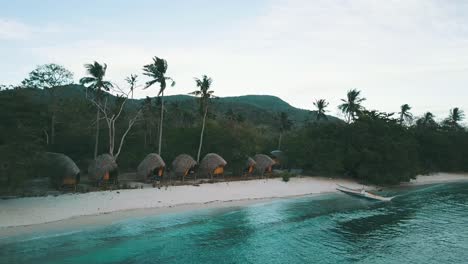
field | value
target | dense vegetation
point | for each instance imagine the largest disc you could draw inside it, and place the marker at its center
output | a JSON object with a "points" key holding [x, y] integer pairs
{"points": [[371, 146]]}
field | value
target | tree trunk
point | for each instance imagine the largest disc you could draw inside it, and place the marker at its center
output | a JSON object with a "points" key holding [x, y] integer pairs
{"points": [[46, 136], [52, 129], [201, 134], [279, 140], [146, 143], [161, 123], [96, 142]]}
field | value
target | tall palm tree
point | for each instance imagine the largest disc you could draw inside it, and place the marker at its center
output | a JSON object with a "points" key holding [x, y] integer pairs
{"points": [[95, 81], [405, 114], [157, 72], [205, 94], [132, 80], [351, 106], [456, 115], [285, 124], [321, 104]]}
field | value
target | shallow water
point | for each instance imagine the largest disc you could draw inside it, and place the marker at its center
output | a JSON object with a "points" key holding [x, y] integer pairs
{"points": [[422, 225]]}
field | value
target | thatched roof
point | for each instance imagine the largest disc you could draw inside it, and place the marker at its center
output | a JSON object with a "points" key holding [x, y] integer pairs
{"points": [[151, 162], [210, 162], [250, 162], [100, 166], [182, 163], [263, 162], [278, 155], [58, 166]]}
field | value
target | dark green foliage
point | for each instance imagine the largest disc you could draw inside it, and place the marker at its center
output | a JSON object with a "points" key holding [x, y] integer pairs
{"points": [[377, 149], [22, 136], [374, 148]]}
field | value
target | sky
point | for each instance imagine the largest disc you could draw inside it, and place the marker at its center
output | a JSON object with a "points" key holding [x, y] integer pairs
{"points": [[395, 52]]}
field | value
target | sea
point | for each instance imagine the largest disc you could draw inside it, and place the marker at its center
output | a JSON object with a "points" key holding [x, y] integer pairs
{"points": [[425, 224]]}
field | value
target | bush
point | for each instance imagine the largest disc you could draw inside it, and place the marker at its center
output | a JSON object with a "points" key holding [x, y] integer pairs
{"points": [[285, 176]]}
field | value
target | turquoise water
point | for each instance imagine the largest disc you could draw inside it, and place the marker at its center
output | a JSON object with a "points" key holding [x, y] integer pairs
{"points": [[422, 225]]}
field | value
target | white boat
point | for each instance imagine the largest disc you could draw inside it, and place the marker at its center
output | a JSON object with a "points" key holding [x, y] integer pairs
{"points": [[363, 194]]}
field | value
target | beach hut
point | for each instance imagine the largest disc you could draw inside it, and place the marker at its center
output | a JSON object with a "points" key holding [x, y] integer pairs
{"points": [[279, 157], [212, 165], [103, 169], [183, 165], [60, 169], [250, 166], [152, 165], [264, 163]]}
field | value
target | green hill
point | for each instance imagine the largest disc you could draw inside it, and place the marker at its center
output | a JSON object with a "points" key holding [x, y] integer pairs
{"points": [[258, 109]]}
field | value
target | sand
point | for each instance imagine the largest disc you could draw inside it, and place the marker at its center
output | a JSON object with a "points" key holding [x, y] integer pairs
{"points": [[26, 212]]}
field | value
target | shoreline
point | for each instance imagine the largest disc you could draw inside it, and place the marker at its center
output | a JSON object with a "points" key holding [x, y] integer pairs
{"points": [[31, 214]]}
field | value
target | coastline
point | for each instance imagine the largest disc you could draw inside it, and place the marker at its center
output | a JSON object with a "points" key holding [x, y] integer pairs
{"points": [[30, 214]]}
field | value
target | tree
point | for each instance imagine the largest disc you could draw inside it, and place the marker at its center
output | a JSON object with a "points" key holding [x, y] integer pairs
{"points": [[427, 120], [132, 80], [321, 104], [48, 77], [111, 116], [205, 94], [157, 72], [97, 84], [405, 115], [456, 115], [351, 106], [284, 125]]}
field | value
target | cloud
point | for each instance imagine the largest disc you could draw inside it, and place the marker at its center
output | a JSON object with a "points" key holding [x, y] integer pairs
{"points": [[14, 30], [396, 52]]}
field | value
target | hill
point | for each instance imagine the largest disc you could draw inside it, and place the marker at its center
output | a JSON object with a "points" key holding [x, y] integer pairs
{"points": [[258, 109]]}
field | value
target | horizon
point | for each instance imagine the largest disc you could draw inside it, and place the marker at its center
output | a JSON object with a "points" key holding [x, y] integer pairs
{"points": [[394, 52]]}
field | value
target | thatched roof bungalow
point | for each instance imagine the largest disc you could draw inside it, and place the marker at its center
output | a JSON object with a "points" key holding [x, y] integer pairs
{"points": [[60, 169], [103, 169], [264, 163], [212, 164], [183, 165], [152, 165], [279, 157], [250, 165]]}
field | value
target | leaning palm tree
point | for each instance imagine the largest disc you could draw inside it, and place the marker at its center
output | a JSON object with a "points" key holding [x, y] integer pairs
{"points": [[157, 72], [405, 114], [205, 94], [456, 115], [132, 80], [351, 106], [321, 104], [95, 81]]}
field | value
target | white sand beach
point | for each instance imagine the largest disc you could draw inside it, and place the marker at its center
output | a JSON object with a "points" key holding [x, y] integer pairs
{"points": [[38, 210]]}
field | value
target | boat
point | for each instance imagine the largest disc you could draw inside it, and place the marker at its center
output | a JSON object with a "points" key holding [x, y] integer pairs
{"points": [[363, 194]]}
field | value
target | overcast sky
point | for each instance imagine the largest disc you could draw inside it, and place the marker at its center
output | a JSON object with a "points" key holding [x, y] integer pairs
{"points": [[411, 51]]}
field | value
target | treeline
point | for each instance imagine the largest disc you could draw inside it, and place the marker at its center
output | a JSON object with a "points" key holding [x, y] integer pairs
{"points": [[371, 146], [378, 149]]}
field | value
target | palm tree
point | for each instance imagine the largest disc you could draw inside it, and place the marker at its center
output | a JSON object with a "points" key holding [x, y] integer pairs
{"points": [[96, 82], [427, 120], [351, 106], [205, 94], [157, 72], [456, 115], [285, 125], [321, 104], [132, 79], [405, 115]]}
